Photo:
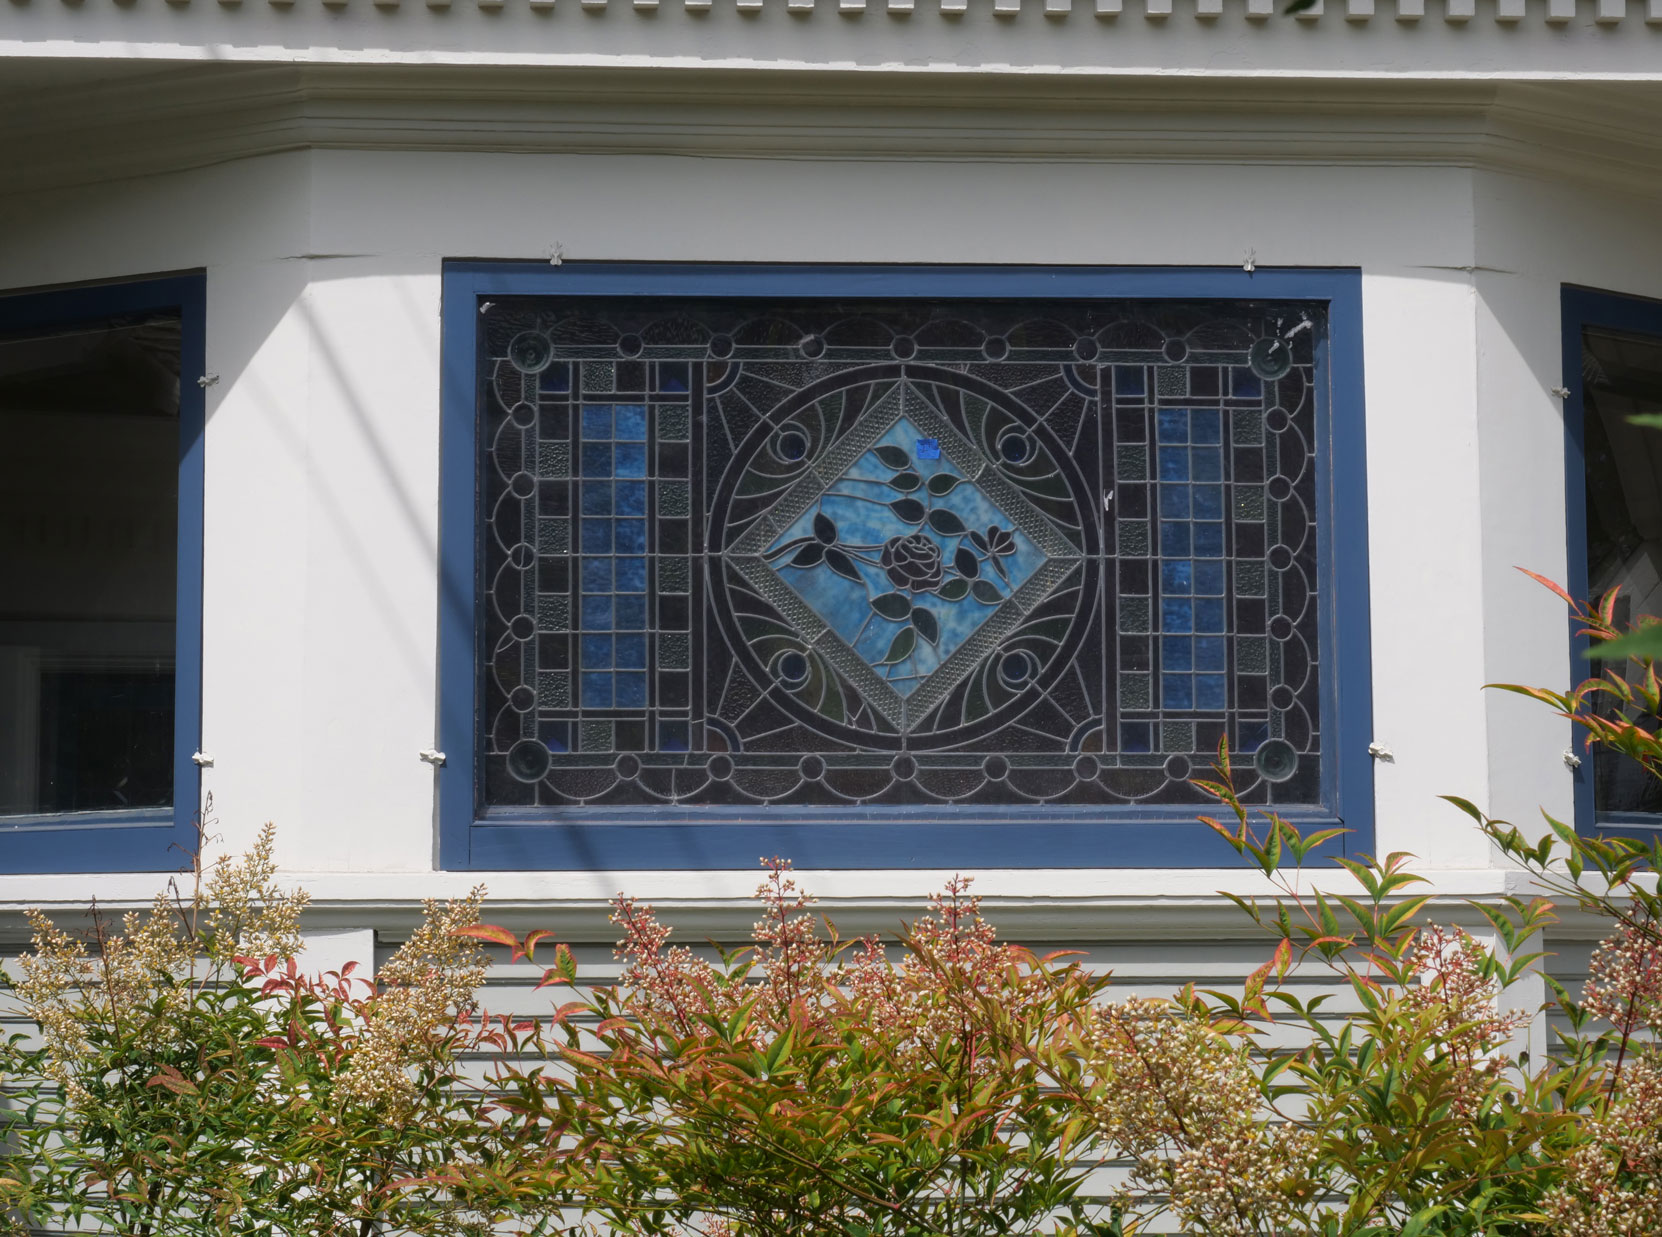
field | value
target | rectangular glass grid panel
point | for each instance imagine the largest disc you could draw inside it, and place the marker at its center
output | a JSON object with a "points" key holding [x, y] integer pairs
{"points": [[830, 554]]}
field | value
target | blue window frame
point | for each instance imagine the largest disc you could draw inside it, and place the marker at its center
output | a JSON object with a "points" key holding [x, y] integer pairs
{"points": [[572, 446], [106, 838], [1612, 348]]}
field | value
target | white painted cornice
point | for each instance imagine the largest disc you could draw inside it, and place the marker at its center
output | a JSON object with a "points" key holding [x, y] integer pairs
{"points": [[77, 131], [1470, 39]]}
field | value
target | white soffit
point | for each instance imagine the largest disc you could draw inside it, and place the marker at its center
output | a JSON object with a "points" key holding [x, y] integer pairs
{"points": [[1474, 39]]}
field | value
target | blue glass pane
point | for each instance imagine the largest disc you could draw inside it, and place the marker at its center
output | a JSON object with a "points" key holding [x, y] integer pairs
{"points": [[631, 613], [597, 536], [1243, 382], [1209, 578], [1174, 538], [1251, 735], [597, 575], [1209, 615], [597, 459], [1128, 380], [1205, 425], [555, 379], [1174, 464], [631, 536], [1176, 576], [631, 651], [673, 736], [1206, 463], [1177, 653], [1176, 692], [631, 690], [1208, 540], [1211, 692], [597, 421], [1211, 653], [631, 498], [631, 459], [597, 613], [1136, 737], [1174, 502], [631, 575], [1173, 425], [597, 652], [673, 376], [1208, 502], [631, 422], [597, 498], [1176, 616], [597, 690]]}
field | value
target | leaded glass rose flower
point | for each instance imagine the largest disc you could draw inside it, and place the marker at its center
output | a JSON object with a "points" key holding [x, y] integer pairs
{"points": [[912, 563]]}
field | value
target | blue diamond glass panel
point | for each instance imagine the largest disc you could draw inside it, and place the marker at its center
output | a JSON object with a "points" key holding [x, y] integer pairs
{"points": [[839, 553]]}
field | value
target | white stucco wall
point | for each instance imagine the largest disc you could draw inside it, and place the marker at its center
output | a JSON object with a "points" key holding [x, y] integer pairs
{"points": [[322, 445]]}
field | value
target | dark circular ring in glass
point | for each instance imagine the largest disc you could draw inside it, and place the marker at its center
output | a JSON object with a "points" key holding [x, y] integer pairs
{"points": [[1279, 488], [1275, 760], [904, 347], [721, 346], [522, 699], [790, 445], [523, 414], [1087, 768], [1280, 557], [523, 627], [1177, 768], [1015, 448], [1085, 348], [1175, 350], [628, 766], [904, 767], [812, 346], [720, 767], [792, 668], [522, 485], [812, 768], [997, 768], [1281, 627], [1016, 668], [528, 761], [629, 345], [522, 556], [531, 352], [1277, 419], [1270, 358], [996, 348], [1282, 697]]}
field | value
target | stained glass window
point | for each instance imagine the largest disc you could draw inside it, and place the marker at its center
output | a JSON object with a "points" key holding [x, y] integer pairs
{"points": [[831, 553]]}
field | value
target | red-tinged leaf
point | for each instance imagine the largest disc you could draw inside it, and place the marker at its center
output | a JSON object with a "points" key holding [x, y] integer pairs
{"points": [[1283, 957], [528, 947], [581, 1057], [1544, 582], [172, 1080], [274, 1041], [491, 933]]}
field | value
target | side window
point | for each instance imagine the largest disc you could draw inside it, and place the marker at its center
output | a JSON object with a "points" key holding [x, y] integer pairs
{"points": [[1618, 376], [100, 414], [862, 559]]}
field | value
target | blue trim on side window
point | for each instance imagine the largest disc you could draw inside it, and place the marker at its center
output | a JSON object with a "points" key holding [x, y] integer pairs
{"points": [[156, 840], [1050, 836], [1582, 308]]}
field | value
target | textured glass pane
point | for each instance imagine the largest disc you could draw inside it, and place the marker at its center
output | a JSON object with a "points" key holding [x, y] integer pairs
{"points": [[896, 553]]}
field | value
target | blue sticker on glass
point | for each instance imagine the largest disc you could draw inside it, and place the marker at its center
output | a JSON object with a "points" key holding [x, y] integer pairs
{"points": [[929, 448]]}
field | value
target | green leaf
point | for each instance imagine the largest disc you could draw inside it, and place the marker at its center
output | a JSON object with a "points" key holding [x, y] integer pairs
{"points": [[986, 593], [1644, 643], [946, 523], [901, 647], [905, 482], [893, 457], [908, 509], [943, 483], [953, 590], [892, 605], [929, 627], [1650, 420]]}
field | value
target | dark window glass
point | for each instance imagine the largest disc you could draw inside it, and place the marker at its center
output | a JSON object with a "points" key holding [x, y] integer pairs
{"points": [[89, 419], [920, 553], [1622, 378]]}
